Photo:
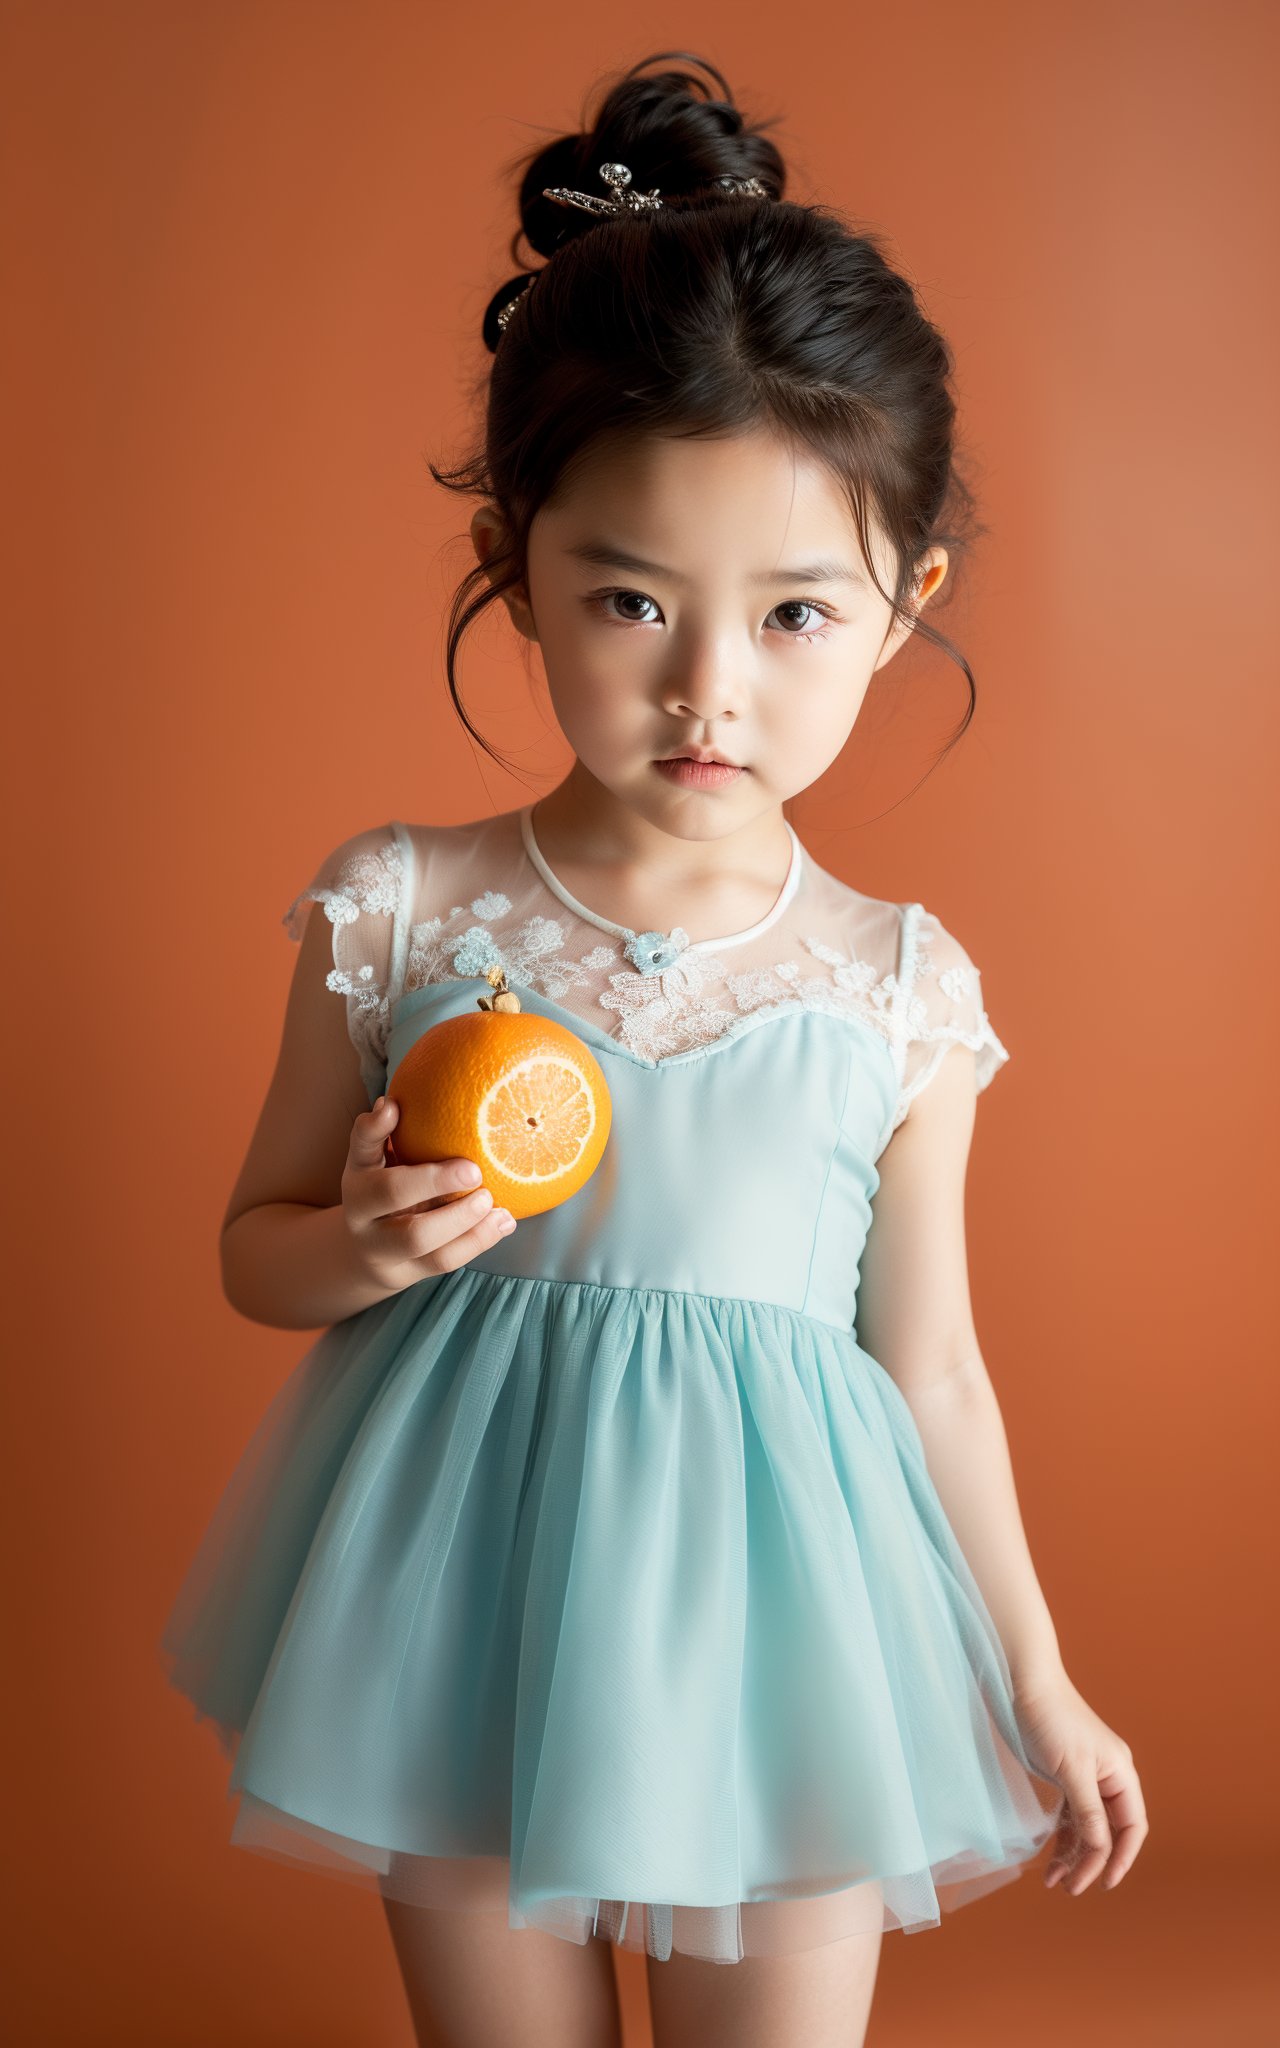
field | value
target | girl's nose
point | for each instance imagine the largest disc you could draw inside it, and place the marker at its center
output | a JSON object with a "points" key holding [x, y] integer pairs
{"points": [[707, 679]]}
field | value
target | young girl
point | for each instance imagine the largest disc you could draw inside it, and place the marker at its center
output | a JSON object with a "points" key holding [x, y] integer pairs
{"points": [[601, 1576]]}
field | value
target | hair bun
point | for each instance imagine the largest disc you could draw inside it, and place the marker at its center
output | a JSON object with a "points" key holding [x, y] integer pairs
{"points": [[671, 130]]}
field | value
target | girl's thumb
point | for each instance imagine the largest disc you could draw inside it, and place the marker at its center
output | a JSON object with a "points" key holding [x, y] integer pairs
{"points": [[371, 1133]]}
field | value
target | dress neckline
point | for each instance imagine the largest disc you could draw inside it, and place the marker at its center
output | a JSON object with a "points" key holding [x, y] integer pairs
{"points": [[606, 924]]}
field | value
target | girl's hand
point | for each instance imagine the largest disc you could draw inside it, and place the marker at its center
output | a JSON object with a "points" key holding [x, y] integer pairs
{"points": [[1104, 1822], [401, 1225]]}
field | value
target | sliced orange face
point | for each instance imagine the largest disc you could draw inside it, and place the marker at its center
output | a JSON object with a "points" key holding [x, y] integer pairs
{"points": [[537, 1122]]}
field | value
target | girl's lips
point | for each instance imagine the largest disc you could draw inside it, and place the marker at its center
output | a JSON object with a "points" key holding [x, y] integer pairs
{"points": [[699, 774]]}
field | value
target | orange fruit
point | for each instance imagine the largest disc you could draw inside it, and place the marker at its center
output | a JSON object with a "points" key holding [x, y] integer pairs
{"points": [[517, 1092]]}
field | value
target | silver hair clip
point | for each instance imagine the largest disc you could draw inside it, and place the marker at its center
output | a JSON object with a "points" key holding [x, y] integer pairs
{"points": [[751, 186], [617, 177], [510, 307]]}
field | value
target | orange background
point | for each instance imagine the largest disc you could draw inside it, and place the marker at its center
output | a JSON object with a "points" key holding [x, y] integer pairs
{"points": [[249, 247]]}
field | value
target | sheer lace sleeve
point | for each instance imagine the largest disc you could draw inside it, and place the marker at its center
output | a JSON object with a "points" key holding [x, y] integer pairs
{"points": [[365, 886], [941, 1005]]}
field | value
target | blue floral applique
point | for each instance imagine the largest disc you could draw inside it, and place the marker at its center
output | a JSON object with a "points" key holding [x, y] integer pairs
{"points": [[531, 955], [652, 952], [478, 952]]}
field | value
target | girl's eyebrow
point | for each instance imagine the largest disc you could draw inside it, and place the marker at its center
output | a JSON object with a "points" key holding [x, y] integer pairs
{"points": [[603, 555]]}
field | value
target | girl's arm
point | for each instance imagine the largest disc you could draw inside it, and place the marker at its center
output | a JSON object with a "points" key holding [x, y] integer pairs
{"points": [[916, 1320], [288, 1254], [291, 1266]]}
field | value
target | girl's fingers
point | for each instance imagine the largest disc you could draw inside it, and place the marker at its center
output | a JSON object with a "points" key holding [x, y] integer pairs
{"points": [[1128, 1820], [386, 1186], [413, 1190], [1083, 1842], [461, 1233]]}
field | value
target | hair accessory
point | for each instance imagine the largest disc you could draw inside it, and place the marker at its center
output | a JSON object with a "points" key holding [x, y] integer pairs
{"points": [[617, 177], [505, 311]]}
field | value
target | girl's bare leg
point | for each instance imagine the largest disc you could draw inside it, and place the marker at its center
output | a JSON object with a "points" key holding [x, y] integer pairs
{"points": [[820, 1997], [473, 1981]]}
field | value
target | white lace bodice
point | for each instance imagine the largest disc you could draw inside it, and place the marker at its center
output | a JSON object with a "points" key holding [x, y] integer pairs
{"points": [[416, 904]]}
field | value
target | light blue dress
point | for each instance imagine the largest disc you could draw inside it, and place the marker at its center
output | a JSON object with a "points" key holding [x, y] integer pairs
{"points": [[601, 1582]]}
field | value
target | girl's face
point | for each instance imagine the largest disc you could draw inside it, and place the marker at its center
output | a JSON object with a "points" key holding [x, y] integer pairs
{"points": [[709, 593]]}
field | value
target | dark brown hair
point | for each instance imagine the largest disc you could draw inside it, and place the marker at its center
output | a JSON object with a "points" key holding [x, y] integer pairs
{"points": [[717, 313]]}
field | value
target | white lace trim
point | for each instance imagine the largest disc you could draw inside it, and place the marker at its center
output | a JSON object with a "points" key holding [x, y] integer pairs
{"points": [[668, 997]]}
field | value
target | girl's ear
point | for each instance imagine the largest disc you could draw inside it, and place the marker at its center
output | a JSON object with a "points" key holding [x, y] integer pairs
{"points": [[931, 575], [931, 571], [489, 532]]}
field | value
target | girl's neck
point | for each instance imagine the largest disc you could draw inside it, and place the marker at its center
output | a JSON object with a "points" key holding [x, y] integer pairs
{"points": [[639, 874]]}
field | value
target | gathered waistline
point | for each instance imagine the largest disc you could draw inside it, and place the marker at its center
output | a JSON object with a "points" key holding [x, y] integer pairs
{"points": [[556, 1281]]}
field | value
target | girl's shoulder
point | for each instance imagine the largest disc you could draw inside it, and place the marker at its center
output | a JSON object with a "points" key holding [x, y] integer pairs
{"points": [[381, 889], [386, 872], [917, 975], [944, 1005], [363, 875]]}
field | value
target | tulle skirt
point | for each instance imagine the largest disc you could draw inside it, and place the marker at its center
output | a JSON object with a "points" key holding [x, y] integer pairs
{"points": [[624, 1612]]}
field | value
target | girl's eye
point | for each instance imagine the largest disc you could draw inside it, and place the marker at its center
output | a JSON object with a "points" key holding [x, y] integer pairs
{"points": [[605, 599], [797, 629]]}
